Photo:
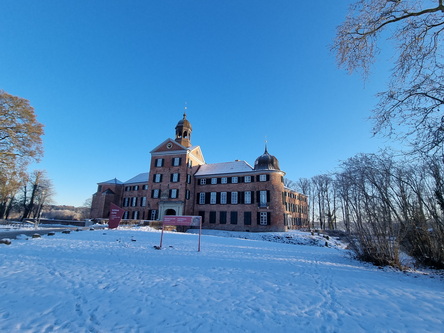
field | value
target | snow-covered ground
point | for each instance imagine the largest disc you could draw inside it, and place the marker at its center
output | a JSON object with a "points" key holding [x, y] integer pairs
{"points": [[115, 281]]}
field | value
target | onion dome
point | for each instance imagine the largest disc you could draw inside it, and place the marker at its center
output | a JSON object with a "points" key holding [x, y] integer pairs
{"points": [[266, 162]]}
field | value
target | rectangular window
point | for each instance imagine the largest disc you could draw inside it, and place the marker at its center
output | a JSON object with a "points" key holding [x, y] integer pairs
{"points": [[153, 214], [213, 198], [247, 179], [136, 187], [223, 218], [189, 179], [202, 213], [202, 198], [263, 218], [133, 202], [247, 218], [203, 181], [143, 202], [135, 215], [213, 180], [159, 162], [247, 197], [262, 178], [155, 194], [174, 193], [127, 188], [145, 187], [263, 198], [223, 198], [157, 178], [176, 161], [224, 180], [175, 177], [234, 180], [233, 217], [212, 217], [187, 194], [125, 215], [234, 196]]}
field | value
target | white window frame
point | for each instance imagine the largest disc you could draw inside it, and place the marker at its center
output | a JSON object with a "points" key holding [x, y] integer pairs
{"points": [[133, 201], [247, 197], [202, 198], [159, 162], [143, 202], [247, 179], [175, 177], [176, 161], [234, 180], [234, 198], [153, 214], [262, 178], [157, 177], [224, 180], [263, 218], [223, 198], [213, 181], [174, 193], [156, 193], [213, 196], [203, 181], [263, 198]]}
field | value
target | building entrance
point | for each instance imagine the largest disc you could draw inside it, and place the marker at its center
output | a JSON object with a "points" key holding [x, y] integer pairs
{"points": [[170, 212]]}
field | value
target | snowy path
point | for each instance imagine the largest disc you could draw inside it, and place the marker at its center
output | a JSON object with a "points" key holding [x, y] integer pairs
{"points": [[102, 281]]}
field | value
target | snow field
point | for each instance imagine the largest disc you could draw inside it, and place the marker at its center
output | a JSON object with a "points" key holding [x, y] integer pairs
{"points": [[115, 281]]}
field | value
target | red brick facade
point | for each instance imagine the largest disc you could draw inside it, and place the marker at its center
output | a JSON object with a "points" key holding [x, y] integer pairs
{"points": [[228, 196]]}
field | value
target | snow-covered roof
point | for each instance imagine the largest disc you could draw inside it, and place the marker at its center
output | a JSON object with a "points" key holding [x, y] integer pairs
{"points": [[224, 168], [111, 181], [140, 178]]}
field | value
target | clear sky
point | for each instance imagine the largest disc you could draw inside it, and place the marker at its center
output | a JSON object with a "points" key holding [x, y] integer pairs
{"points": [[109, 80]]}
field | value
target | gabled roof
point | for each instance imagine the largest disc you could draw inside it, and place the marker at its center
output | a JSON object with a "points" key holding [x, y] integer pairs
{"points": [[140, 178], [224, 168], [175, 146], [111, 181]]}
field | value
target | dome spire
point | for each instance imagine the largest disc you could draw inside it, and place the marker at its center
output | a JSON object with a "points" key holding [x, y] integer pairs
{"points": [[266, 161]]}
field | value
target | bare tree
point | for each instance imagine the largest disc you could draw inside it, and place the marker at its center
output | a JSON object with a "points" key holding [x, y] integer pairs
{"points": [[36, 191], [415, 96]]}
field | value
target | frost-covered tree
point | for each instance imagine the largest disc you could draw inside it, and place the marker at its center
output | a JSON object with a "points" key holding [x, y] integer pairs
{"points": [[412, 106]]}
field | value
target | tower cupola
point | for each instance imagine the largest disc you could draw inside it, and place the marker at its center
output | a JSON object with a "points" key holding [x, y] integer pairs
{"points": [[266, 162], [183, 132]]}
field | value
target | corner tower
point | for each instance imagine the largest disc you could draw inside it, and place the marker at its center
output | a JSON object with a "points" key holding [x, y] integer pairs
{"points": [[183, 132]]}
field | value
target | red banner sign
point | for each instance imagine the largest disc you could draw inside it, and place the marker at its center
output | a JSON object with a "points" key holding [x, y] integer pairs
{"points": [[115, 216], [182, 220]]}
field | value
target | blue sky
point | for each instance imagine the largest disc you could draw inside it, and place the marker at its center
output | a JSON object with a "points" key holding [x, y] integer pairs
{"points": [[110, 79]]}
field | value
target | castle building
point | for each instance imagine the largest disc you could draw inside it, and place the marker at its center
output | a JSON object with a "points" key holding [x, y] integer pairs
{"points": [[229, 196]]}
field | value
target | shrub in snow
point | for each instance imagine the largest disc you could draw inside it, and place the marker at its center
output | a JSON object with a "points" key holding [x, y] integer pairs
{"points": [[6, 241]]}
